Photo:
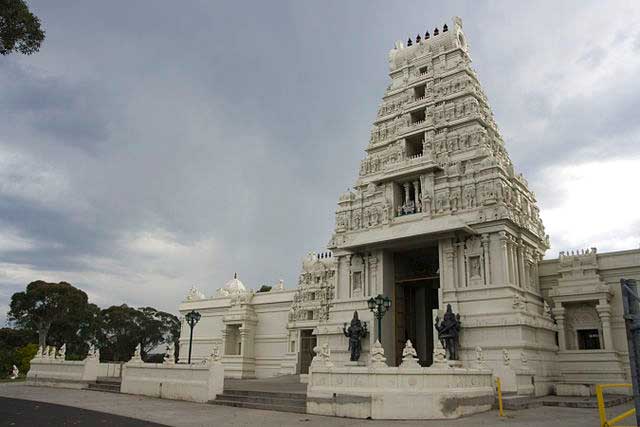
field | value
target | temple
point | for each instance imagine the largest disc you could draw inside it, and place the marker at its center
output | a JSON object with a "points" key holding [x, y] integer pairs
{"points": [[437, 216]]}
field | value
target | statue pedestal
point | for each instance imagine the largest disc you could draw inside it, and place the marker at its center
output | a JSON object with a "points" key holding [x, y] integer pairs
{"points": [[355, 363], [454, 363]]}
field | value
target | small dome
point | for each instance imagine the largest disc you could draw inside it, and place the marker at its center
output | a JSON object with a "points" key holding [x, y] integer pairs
{"points": [[235, 286]]}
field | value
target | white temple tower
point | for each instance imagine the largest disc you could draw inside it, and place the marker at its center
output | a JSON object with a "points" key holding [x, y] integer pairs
{"points": [[438, 216]]}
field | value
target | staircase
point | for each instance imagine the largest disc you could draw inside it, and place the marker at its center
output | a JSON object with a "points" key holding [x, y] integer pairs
{"points": [[107, 384], [267, 400]]}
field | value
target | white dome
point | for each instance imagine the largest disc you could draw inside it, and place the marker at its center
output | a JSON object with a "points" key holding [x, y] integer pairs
{"points": [[235, 286]]}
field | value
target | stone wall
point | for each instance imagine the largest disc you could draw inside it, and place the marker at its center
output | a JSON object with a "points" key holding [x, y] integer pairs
{"points": [[62, 373], [196, 383], [397, 393]]}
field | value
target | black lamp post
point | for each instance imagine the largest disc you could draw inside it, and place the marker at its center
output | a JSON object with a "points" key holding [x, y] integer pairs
{"points": [[379, 306], [192, 317]]}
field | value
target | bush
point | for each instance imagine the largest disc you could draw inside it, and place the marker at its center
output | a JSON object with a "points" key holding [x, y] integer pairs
{"points": [[23, 357]]}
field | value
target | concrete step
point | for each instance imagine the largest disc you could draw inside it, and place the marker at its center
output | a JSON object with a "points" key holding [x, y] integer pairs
{"points": [[263, 400], [585, 402], [267, 400], [263, 406], [110, 387], [514, 402], [275, 394]]}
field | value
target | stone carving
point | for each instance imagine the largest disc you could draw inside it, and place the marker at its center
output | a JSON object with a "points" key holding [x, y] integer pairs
{"points": [[439, 356], [315, 288], [137, 354], [518, 303], [506, 357], [213, 358], [523, 359], [480, 358], [323, 356], [53, 351], [14, 372], [39, 353], [376, 356], [409, 356], [169, 357], [448, 332], [62, 353], [93, 353], [194, 294], [355, 332]]}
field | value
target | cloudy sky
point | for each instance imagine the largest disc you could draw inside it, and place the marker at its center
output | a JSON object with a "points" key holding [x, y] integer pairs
{"points": [[150, 146]]}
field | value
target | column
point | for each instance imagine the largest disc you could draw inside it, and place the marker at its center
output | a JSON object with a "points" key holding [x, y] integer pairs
{"points": [[406, 193], [244, 333], [604, 311], [487, 260], [514, 263], [450, 258], [373, 264], [224, 340], [504, 256], [558, 313], [416, 191], [520, 256], [365, 275]]}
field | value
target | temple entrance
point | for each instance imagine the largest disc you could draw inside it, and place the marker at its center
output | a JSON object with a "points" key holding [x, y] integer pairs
{"points": [[417, 280], [307, 343]]}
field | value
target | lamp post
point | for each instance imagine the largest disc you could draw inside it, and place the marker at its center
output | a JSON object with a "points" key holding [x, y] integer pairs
{"points": [[379, 306], [192, 317]]}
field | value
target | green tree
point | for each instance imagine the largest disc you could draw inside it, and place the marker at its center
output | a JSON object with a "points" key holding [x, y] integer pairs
{"points": [[77, 332], [44, 304], [19, 28], [122, 328]]}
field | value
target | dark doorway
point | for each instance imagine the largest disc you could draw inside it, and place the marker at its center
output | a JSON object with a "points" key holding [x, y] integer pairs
{"points": [[307, 343], [417, 280]]}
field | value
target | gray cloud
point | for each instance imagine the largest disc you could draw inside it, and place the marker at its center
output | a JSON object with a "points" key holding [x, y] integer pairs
{"points": [[175, 147]]}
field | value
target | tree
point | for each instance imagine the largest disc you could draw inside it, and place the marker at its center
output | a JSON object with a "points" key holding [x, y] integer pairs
{"points": [[77, 333], [19, 28], [44, 304], [122, 328]]}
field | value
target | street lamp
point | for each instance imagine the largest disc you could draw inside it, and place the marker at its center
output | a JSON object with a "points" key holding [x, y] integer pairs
{"points": [[192, 317], [379, 306]]}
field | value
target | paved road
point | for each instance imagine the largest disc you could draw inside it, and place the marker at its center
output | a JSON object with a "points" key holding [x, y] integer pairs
{"points": [[16, 412], [188, 414]]}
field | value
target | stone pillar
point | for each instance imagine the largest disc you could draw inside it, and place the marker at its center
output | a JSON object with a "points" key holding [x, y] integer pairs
{"points": [[365, 275], [416, 191], [558, 313], [487, 260], [449, 254], [373, 264], [244, 341], [406, 193], [504, 257], [520, 257], [513, 264], [604, 311], [224, 340]]}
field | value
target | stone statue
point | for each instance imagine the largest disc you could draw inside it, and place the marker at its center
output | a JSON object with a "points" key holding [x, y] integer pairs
{"points": [[14, 372], [449, 332], [355, 333], [62, 353]]}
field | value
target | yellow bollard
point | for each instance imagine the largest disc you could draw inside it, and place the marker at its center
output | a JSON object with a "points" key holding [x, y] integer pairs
{"points": [[500, 410]]}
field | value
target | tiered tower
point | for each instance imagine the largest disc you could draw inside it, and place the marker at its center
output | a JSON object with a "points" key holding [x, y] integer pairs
{"points": [[438, 216]]}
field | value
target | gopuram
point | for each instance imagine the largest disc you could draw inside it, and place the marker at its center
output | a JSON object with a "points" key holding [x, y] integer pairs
{"points": [[438, 218]]}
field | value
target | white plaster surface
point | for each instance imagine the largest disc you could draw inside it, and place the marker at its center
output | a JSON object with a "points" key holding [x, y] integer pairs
{"points": [[196, 383]]}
